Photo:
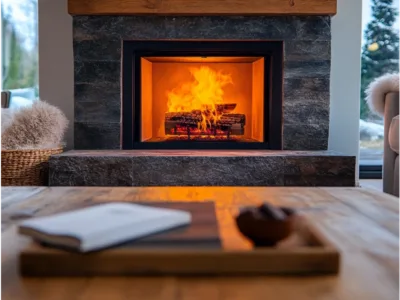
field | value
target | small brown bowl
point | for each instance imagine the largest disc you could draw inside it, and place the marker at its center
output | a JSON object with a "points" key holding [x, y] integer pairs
{"points": [[264, 232]]}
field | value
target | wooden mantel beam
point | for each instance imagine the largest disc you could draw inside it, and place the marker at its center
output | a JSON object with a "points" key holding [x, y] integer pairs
{"points": [[202, 7]]}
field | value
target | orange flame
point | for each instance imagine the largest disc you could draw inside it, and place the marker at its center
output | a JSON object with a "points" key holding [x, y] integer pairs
{"points": [[202, 93]]}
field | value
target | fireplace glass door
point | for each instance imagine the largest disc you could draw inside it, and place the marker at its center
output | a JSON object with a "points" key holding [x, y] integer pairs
{"points": [[210, 95]]}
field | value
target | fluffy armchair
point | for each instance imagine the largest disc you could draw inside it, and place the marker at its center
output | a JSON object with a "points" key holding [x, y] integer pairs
{"points": [[383, 98]]}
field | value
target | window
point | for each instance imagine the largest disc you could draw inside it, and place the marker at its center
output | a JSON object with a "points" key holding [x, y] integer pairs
{"points": [[379, 55], [19, 42]]}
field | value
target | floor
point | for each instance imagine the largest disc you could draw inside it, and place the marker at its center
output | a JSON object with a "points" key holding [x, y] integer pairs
{"points": [[375, 184]]}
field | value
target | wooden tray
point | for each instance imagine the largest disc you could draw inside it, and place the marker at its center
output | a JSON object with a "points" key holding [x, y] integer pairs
{"points": [[193, 250]]}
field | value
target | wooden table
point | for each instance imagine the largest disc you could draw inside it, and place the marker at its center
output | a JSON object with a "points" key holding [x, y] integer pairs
{"points": [[363, 223]]}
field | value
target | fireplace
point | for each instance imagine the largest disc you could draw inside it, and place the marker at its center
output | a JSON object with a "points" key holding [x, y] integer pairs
{"points": [[202, 94], [108, 71], [255, 86]]}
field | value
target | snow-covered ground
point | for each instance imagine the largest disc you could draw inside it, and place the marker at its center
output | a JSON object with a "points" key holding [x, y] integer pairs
{"points": [[22, 97], [370, 131], [371, 144]]}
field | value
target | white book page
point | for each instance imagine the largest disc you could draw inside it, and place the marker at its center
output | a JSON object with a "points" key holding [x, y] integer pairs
{"points": [[89, 222]]}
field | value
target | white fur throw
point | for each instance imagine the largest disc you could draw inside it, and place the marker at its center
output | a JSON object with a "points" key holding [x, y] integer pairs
{"points": [[39, 126], [378, 88]]}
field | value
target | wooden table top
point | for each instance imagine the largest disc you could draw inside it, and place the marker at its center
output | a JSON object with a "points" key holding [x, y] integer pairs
{"points": [[363, 223]]}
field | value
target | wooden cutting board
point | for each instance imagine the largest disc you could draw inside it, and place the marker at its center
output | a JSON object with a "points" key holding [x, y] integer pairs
{"points": [[203, 231]]}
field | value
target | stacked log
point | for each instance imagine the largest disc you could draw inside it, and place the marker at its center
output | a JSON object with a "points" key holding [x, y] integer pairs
{"points": [[225, 108], [183, 118], [228, 122]]}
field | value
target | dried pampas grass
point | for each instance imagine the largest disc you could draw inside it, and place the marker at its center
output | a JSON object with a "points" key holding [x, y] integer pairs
{"points": [[39, 126]]}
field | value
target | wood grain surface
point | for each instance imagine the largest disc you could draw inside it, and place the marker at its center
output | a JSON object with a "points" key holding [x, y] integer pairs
{"points": [[190, 250], [363, 223], [202, 7]]}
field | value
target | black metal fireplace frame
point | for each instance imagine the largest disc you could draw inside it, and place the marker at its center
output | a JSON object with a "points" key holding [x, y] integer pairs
{"points": [[133, 51]]}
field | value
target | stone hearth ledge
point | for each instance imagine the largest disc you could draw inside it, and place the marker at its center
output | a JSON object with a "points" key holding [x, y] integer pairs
{"points": [[201, 168]]}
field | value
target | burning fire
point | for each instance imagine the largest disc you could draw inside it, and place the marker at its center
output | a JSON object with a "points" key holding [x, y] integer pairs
{"points": [[202, 93]]}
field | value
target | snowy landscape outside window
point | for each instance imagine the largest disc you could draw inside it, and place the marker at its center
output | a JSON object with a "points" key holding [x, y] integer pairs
{"points": [[380, 55], [19, 42]]}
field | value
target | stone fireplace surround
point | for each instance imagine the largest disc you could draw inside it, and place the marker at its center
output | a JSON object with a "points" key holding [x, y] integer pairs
{"points": [[97, 59], [97, 124]]}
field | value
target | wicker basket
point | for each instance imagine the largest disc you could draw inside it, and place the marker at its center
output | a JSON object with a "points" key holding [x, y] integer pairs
{"points": [[26, 167]]}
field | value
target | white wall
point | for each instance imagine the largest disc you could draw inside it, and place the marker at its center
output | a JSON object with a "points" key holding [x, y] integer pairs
{"points": [[56, 70], [345, 78]]}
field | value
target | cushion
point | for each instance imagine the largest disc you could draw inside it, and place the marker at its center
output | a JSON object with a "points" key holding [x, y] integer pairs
{"points": [[394, 134]]}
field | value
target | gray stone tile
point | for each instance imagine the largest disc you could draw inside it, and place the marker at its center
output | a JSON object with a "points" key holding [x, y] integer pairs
{"points": [[194, 27], [306, 88], [313, 28], [318, 180], [100, 92], [90, 171], [97, 135], [97, 72], [207, 171], [343, 166], [202, 153], [229, 28], [96, 27], [175, 168], [296, 50], [97, 50], [305, 69], [306, 112], [220, 27], [93, 112], [305, 136]]}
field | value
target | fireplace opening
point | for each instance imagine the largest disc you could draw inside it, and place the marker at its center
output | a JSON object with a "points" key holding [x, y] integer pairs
{"points": [[202, 95], [204, 99]]}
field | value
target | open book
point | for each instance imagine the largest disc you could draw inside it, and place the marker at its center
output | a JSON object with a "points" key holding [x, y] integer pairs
{"points": [[103, 225]]}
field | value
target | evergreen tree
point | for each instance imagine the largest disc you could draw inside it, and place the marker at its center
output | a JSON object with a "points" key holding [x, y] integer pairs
{"points": [[12, 74], [19, 63], [380, 54]]}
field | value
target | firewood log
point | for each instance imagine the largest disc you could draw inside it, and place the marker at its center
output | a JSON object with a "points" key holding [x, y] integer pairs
{"points": [[233, 123]]}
